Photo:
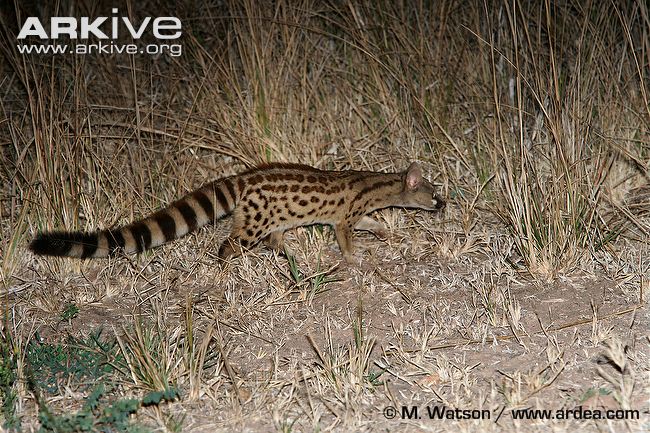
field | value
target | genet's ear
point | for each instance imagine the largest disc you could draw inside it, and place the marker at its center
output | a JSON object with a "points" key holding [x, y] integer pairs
{"points": [[413, 178]]}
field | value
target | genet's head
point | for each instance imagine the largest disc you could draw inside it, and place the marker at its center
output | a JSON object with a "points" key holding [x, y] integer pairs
{"points": [[418, 192]]}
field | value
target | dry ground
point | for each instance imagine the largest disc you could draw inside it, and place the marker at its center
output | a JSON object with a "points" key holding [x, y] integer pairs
{"points": [[529, 291], [413, 324]]}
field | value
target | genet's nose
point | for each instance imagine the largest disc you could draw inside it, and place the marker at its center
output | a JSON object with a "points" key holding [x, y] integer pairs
{"points": [[440, 203]]}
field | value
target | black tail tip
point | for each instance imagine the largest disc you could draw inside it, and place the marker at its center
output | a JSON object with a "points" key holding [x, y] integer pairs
{"points": [[61, 244], [39, 245], [57, 243], [45, 244]]}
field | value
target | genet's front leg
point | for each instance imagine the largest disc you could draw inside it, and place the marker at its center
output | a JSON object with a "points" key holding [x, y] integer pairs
{"points": [[344, 238]]}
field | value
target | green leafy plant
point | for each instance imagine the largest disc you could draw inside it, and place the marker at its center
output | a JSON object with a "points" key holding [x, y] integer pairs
{"points": [[70, 311], [7, 381], [97, 415], [81, 360]]}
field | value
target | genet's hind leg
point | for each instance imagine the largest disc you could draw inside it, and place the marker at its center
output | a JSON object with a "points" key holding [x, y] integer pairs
{"points": [[239, 239], [230, 248], [373, 226], [275, 241], [235, 246]]}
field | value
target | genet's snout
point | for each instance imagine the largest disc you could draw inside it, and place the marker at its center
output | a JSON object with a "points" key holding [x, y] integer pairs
{"points": [[440, 203]]}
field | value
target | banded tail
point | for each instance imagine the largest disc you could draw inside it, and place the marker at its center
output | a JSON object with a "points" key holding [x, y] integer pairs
{"points": [[207, 204]]}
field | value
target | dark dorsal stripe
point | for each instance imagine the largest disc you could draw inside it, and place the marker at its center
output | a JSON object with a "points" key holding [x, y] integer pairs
{"points": [[167, 225], [115, 241], [189, 215], [142, 236], [205, 203], [375, 186], [89, 245]]}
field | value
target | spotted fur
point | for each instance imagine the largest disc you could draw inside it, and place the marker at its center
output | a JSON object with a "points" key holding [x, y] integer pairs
{"points": [[263, 202]]}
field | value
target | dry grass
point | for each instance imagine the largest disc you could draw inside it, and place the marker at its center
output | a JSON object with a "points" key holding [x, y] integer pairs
{"points": [[528, 292]]}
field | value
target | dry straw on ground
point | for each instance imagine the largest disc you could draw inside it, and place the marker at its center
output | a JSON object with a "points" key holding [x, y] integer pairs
{"points": [[528, 292]]}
